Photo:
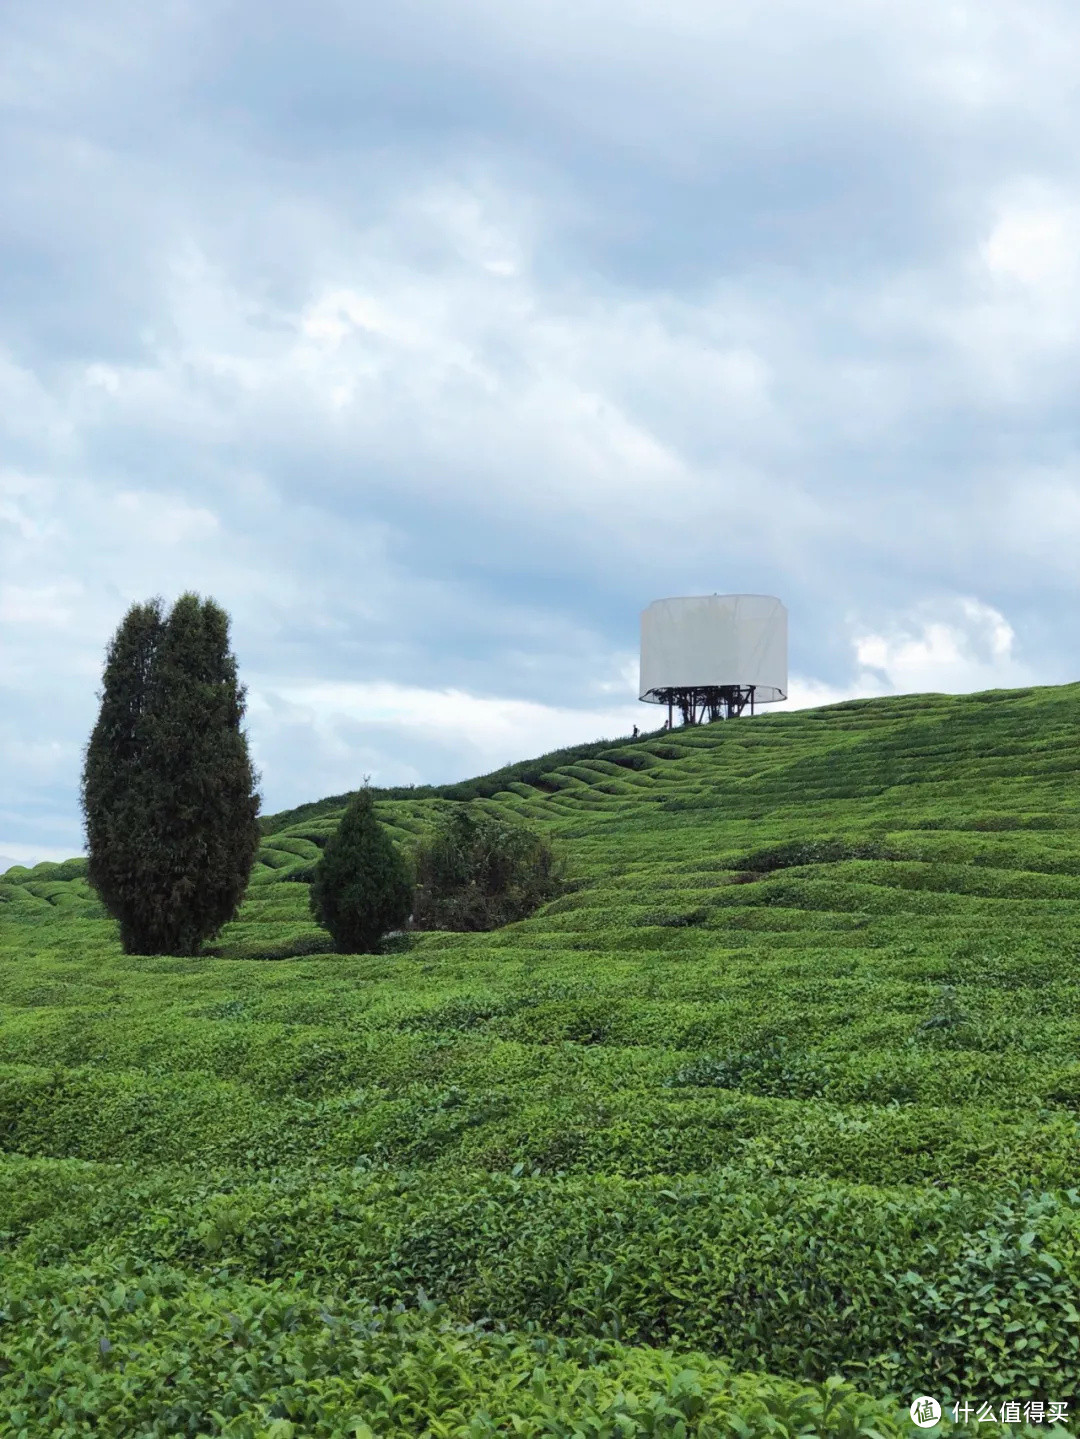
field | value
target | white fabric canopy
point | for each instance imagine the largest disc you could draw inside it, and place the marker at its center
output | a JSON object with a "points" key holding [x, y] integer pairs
{"points": [[715, 640]]}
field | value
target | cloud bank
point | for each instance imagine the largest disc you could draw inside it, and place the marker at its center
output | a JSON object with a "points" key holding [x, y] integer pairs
{"points": [[435, 346]]}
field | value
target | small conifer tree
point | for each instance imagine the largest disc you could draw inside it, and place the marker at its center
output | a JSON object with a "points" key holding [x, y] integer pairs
{"points": [[168, 788], [361, 888]]}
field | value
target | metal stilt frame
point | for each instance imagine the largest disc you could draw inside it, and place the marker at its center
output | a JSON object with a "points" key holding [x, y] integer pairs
{"points": [[699, 704]]}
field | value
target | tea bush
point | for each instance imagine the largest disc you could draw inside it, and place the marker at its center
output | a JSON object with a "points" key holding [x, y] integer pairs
{"points": [[161, 1352], [770, 1121]]}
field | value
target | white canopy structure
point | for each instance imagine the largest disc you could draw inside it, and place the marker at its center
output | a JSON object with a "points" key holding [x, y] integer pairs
{"points": [[714, 653]]}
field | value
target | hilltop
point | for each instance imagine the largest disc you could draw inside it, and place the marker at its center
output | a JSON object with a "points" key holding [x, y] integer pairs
{"points": [[785, 1086]]}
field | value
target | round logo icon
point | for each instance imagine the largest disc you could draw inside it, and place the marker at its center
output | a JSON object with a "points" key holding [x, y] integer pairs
{"points": [[925, 1412]]}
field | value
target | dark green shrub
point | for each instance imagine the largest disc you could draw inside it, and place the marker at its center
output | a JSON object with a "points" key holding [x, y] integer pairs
{"points": [[361, 887], [168, 788], [949, 1024], [803, 852], [685, 920], [769, 1066], [476, 872], [636, 760]]}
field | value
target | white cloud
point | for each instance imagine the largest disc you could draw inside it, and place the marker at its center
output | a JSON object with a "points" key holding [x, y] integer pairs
{"points": [[1035, 245], [436, 347], [162, 520], [50, 606], [340, 313], [489, 731], [953, 648], [957, 646], [44, 760], [30, 855], [1035, 512], [31, 414], [107, 377], [804, 693]]}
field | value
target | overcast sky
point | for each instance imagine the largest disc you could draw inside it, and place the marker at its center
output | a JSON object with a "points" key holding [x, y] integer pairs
{"points": [[436, 339]]}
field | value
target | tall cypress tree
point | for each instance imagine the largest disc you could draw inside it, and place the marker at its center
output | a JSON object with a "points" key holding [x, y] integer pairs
{"points": [[168, 788], [361, 887]]}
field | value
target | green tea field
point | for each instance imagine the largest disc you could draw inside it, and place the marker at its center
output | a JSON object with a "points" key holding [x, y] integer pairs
{"points": [[767, 1125]]}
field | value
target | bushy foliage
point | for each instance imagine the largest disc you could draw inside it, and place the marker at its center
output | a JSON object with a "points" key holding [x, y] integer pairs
{"points": [[168, 788], [160, 1352], [361, 887], [476, 872]]}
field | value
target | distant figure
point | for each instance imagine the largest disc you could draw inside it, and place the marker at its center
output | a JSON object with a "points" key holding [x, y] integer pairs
{"points": [[635, 735]]}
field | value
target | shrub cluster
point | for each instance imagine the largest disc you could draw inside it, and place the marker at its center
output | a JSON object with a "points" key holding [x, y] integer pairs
{"points": [[477, 872]]}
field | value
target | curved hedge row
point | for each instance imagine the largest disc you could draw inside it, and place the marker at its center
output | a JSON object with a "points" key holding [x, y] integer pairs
{"points": [[157, 1352], [138, 1118], [798, 1278]]}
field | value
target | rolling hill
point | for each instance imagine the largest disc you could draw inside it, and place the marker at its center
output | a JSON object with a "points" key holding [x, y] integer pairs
{"points": [[765, 1126]]}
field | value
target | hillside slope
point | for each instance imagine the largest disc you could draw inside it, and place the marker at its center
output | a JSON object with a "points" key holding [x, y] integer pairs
{"points": [[785, 1087]]}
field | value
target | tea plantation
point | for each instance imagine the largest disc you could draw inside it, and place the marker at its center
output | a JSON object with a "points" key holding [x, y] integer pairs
{"points": [[767, 1125]]}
